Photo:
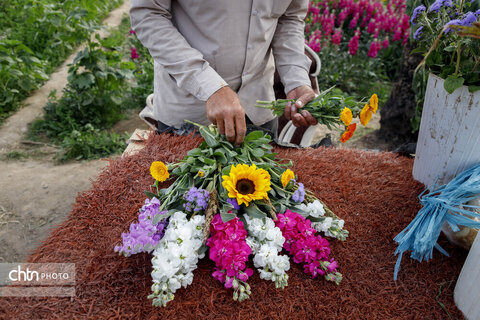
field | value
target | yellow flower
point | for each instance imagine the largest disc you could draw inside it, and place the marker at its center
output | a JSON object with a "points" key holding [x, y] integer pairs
{"points": [[287, 175], [373, 103], [246, 183], [365, 115], [200, 173], [159, 171], [346, 116]]}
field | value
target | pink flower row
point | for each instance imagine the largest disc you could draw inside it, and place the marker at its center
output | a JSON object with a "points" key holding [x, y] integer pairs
{"points": [[326, 20]]}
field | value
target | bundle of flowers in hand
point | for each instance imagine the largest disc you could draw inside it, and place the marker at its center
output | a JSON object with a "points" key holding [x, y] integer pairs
{"points": [[370, 24], [233, 202], [332, 108]]}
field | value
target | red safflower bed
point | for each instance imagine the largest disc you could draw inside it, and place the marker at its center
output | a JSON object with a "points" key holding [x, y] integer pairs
{"points": [[373, 192]]}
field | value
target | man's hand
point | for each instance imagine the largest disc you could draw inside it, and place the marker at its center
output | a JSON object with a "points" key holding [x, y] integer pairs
{"points": [[303, 95], [224, 110]]}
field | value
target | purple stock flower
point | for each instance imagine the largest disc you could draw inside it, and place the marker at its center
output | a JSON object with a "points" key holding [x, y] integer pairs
{"points": [[196, 200], [418, 34], [144, 232], [132, 31], [234, 203], [418, 10], [299, 194]]}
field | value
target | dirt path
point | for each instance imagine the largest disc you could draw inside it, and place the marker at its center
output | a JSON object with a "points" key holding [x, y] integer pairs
{"points": [[35, 193]]}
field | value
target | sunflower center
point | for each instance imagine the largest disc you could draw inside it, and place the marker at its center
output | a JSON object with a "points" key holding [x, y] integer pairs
{"points": [[245, 186]]}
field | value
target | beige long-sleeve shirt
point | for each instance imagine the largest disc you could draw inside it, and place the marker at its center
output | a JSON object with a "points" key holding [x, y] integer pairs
{"points": [[200, 46]]}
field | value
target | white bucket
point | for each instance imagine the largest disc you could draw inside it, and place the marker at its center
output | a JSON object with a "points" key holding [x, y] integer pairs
{"points": [[449, 137]]}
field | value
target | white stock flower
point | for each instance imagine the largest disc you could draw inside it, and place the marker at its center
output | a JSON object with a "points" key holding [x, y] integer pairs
{"points": [[176, 257], [314, 209], [266, 242]]}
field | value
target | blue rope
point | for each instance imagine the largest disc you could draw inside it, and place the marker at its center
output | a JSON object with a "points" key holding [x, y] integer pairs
{"points": [[440, 205]]}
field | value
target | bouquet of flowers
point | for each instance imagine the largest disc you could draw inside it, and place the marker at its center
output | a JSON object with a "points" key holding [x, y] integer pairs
{"points": [[331, 108], [233, 202]]}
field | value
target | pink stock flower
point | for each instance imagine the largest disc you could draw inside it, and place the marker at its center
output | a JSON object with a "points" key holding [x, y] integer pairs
{"points": [[373, 50], [337, 37], [306, 247], [373, 19], [132, 31], [229, 250], [353, 43], [133, 53], [385, 43]]}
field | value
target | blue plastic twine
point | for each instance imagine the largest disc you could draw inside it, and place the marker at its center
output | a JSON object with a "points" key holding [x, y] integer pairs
{"points": [[439, 205]]}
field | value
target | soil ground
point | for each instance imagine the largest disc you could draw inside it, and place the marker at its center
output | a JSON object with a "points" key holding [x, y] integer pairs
{"points": [[36, 193]]}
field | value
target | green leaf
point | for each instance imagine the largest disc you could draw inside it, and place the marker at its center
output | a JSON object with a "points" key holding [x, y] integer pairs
{"points": [[227, 216], [202, 249], [150, 195], [473, 88], [85, 80], [253, 136], [226, 170], [258, 153], [208, 136], [452, 83], [254, 212], [280, 192], [220, 157], [450, 48], [194, 152]]}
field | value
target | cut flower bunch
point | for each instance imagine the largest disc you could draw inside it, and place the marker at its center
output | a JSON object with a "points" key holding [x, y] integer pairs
{"points": [[234, 202], [331, 108]]}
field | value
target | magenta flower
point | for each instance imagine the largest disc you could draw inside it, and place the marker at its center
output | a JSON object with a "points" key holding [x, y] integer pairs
{"points": [[307, 248], [133, 53], [337, 37], [230, 251], [373, 50], [353, 43], [132, 31]]}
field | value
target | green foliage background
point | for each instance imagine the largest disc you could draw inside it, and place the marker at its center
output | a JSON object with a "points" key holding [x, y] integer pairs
{"points": [[36, 37]]}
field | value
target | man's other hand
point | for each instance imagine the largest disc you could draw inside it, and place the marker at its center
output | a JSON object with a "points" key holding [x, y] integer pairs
{"points": [[224, 110], [300, 118]]}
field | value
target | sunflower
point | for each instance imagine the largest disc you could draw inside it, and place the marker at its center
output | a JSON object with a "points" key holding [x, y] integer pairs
{"points": [[159, 171], [348, 133], [346, 116], [246, 183], [366, 115], [287, 175]]}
